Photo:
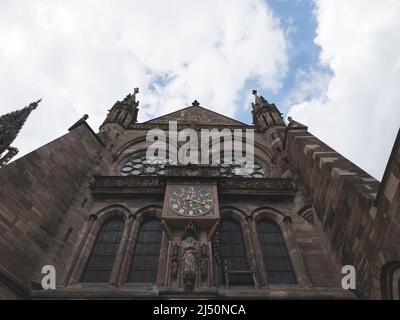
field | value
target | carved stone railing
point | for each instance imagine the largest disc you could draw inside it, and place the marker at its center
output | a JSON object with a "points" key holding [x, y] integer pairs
{"points": [[226, 185], [128, 182], [257, 184], [192, 171]]}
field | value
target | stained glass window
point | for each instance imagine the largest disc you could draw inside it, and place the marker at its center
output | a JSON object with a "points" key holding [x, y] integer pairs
{"points": [[101, 260], [232, 245], [275, 255], [140, 165], [147, 251], [236, 169]]}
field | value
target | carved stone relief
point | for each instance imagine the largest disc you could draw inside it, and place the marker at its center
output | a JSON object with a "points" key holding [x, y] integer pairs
{"points": [[190, 248], [175, 261], [204, 262]]}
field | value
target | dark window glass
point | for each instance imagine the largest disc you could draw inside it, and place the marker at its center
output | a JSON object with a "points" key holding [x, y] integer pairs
{"points": [[101, 260], [275, 255], [232, 246], [147, 251]]}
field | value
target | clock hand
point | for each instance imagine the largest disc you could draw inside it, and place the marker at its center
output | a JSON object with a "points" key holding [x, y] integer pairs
{"points": [[198, 202]]}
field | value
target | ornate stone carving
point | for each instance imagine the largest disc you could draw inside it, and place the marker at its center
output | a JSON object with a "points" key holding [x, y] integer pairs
{"points": [[273, 185], [149, 126], [204, 262], [217, 248], [195, 103], [10, 125], [190, 256], [130, 182], [189, 261], [124, 112], [192, 170], [174, 261], [248, 185]]}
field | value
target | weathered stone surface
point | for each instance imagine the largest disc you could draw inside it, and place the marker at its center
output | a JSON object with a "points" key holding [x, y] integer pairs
{"points": [[355, 222], [54, 201], [36, 193]]}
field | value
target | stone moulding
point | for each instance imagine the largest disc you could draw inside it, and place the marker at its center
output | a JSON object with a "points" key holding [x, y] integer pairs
{"points": [[128, 182], [262, 185], [149, 126], [259, 185], [192, 171]]}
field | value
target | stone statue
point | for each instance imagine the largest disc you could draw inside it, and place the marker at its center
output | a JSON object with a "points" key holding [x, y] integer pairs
{"points": [[174, 261], [204, 262], [189, 262], [189, 246]]}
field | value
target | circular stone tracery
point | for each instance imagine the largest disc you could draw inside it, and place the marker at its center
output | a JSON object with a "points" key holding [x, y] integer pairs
{"points": [[140, 165]]}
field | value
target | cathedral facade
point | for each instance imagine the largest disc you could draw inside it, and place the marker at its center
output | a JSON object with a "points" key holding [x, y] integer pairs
{"points": [[114, 224]]}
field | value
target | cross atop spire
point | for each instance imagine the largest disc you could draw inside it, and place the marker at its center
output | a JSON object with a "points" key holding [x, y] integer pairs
{"points": [[130, 99], [124, 112]]}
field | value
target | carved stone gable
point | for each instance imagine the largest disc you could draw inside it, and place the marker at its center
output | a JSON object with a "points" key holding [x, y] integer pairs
{"points": [[196, 115]]}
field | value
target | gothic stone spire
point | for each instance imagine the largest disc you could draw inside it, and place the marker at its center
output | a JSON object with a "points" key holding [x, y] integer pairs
{"points": [[124, 112], [10, 125], [130, 100], [265, 114]]}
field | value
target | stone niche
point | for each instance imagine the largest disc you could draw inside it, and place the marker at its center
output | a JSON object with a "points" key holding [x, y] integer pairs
{"points": [[189, 261]]}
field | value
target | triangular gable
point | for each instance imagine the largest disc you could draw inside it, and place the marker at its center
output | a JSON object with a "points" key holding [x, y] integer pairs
{"points": [[196, 115]]}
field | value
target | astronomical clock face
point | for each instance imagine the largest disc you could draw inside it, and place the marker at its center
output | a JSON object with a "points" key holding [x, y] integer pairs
{"points": [[191, 200]]}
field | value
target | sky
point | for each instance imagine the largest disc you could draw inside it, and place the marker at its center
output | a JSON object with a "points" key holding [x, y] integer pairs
{"points": [[333, 65]]}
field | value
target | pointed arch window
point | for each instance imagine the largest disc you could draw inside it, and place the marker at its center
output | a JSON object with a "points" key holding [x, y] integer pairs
{"points": [[275, 255], [232, 245], [101, 260], [147, 251]]}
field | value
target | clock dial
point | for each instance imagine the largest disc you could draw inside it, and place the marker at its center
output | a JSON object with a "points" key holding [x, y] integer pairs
{"points": [[191, 201]]}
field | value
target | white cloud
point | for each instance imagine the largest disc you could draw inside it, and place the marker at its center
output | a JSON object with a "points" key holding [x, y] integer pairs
{"points": [[82, 56], [358, 114], [309, 84]]}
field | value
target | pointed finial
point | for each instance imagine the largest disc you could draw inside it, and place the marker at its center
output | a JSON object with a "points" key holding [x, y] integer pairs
{"points": [[11, 124], [33, 105], [130, 99], [195, 103], [257, 99], [135, 92]]}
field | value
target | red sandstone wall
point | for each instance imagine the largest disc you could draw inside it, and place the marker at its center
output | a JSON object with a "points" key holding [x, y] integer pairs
{"points": [[35, 194], [342, 195]]}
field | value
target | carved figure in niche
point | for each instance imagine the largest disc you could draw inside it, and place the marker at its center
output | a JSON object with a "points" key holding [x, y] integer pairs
{"points": [[203, 262], [174, 261], [190, 256]]}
